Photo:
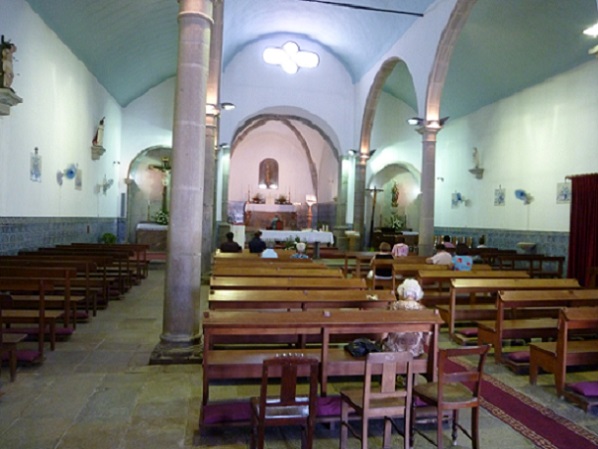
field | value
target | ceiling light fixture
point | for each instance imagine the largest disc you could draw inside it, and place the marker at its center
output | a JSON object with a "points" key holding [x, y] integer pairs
{"points": [[417, 121], [592, 31], [290, 57]]}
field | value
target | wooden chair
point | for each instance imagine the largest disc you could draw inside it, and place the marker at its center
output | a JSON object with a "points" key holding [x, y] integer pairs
{"points": [[287, 408], [383, 401], [8, 343], [454, 391]]}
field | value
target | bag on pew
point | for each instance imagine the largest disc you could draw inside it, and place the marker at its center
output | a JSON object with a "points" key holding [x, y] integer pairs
{"points": [[360, 347]]}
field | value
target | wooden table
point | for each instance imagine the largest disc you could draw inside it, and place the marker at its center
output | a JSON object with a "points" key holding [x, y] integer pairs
{"points": [[492, 286], [298, 299], [284, 283], [219, 363]]}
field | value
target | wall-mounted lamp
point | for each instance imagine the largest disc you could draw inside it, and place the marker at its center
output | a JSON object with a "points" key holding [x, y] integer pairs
{"points": [[290, 58], [105, 185], [458, 198], [69, 173], [352, 152], [372, 152], [440, 178], [215, 109], [417, 121]]}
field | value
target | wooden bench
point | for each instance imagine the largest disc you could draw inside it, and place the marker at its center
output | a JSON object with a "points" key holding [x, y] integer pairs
{"points": [[254, 271], [225, 363], [452, 313], [44, 319], [543, 303], [285, 283], [139, 253], [555, 357], [537, 265], [298, 299]]}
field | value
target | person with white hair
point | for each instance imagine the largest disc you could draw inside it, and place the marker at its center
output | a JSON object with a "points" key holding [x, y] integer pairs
{"points": [[300, 251], [410, 293]]}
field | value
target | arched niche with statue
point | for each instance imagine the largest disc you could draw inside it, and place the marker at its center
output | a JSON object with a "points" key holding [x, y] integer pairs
{"points": [[148, 197]]}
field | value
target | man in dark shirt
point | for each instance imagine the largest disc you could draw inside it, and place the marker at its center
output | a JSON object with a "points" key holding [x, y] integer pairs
{"points": [[230, 246], [256, 244]]}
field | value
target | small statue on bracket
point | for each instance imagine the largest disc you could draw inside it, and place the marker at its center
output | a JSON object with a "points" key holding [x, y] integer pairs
{"points": [[8, 49], [477, 170]]}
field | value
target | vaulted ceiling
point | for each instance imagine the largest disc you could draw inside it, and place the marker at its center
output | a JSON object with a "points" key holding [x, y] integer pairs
{"points": [[507, 45]]}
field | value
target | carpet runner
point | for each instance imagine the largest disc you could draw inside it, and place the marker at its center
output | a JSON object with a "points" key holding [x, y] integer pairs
{"points": [[546, 429]]}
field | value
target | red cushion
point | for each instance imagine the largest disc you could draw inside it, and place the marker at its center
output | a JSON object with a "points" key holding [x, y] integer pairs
{"points": [[588, 388], [329, 406], [519, 356]]}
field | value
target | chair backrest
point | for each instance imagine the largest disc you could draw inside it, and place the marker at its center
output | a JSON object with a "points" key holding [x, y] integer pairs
{"points": [[388, 365], [470, 377], [289, 368]]}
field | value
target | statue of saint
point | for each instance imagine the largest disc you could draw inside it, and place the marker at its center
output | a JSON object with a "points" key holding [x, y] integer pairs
{"points": [[395, 195], [7, 71]]}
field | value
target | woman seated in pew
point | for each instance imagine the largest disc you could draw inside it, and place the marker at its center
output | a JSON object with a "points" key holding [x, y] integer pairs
{"points": [[401, 249], [300, 251], [382, 273], [461, 260], [409, 293], [442, 256]]}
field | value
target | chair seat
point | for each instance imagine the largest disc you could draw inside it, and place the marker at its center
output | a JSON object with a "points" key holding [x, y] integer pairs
{"points": [[282, 412], [453, 392]]}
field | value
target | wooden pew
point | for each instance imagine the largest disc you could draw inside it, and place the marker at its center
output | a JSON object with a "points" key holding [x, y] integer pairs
{"points": [[555, 357], [436, 285], [537, 265], [543, 303], [276, 272], [60, 276], [298, 299], [284, 283], [44, 319], [139, 253], [222, 363], [267, 263], [490, 287]]}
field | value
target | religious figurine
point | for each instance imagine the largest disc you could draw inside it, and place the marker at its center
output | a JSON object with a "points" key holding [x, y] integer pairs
{"points": [[98, 139], [395, 195], [8, 49]]}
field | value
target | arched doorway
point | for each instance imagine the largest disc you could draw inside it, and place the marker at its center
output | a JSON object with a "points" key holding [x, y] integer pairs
{"points": [[148, 194]]}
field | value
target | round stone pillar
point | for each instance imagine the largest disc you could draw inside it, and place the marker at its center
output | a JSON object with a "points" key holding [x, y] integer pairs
{"points": [[428, 179]]}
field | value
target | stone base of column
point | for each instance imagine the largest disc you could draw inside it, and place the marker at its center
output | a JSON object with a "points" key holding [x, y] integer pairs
{"points": [[177, 353]]}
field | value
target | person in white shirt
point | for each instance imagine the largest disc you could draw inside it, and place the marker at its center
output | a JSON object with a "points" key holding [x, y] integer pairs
{"points": [[442, 256]]}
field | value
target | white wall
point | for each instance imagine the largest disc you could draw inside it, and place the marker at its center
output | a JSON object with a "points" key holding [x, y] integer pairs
{"points": [[529, 141], [325, 93], [62, 105]]}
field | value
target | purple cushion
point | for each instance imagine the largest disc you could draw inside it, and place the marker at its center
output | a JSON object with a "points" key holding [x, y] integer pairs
{"points": [[588, 388], [227, 412], [519, 356], [329, 406], [467, 331]]}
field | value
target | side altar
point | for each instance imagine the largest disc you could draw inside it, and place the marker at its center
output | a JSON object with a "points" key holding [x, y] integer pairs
{"points": [[152, 234], [260, 216]]}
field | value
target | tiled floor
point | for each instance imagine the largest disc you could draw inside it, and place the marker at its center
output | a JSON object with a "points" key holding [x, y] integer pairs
{"points": [[97, 391]]}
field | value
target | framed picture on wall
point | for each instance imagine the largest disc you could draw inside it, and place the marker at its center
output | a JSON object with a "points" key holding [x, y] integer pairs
{"points": [[35, 167], [563, 193], [499, 196]]}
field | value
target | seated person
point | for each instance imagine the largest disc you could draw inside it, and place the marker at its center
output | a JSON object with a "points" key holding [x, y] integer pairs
{"points": [[269, 253], [300, 251], [446, 241], [409, 293], [256, 244], [461, 261], [381, 272], [230, 246], [442, 256], [400, 249]]}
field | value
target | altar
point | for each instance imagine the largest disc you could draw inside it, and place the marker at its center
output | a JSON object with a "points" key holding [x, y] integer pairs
{"points": [[315, 237], [152, 234], [260, 216]]}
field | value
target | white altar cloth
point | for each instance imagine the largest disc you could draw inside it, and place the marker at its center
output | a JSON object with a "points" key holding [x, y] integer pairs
{"points": [[270, 207], [304, 236]]}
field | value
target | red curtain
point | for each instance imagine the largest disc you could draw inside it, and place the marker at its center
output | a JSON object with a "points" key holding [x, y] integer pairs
{"points": [[583, 228]]}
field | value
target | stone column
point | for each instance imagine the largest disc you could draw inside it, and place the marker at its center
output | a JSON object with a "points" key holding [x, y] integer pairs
{"points": [[359, 201], [341, 204], [212, 133], [428, 180], [180, 335]]}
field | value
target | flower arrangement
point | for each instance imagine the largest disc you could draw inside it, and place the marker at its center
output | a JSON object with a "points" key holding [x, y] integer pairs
{"points": [[282, 199], [258, 199], [396, 222], [291, 243], [161, 217]]}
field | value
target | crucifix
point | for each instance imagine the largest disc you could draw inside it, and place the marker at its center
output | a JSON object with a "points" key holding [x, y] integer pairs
{"points": [[375, 190], [165, 169]]}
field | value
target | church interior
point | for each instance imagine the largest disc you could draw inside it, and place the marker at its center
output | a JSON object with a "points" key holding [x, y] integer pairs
{"points": [[165, 125]]}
